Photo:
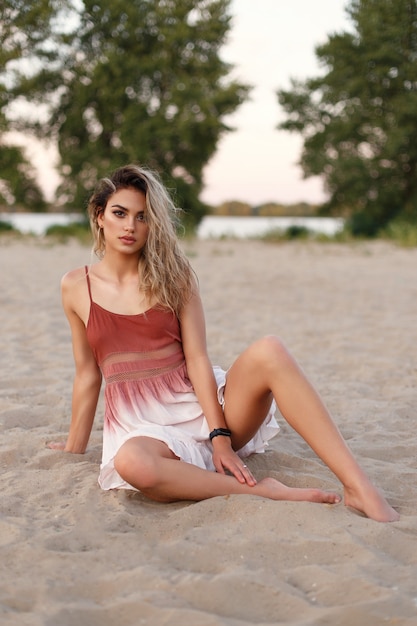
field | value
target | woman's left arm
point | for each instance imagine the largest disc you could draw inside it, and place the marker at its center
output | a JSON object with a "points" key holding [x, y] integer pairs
{"points": [[200, 373]]}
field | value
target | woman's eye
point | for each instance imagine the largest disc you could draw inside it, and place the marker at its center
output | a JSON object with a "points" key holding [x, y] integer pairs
{"points": [[141, 217], [119, 213]]}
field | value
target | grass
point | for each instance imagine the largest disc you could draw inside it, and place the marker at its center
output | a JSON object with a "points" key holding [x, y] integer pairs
{"points": [[301, 233], [56, 232], [402, 233], [77, 230], [6, 227]]}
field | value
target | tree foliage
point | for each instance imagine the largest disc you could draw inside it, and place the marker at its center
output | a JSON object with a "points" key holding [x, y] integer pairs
{"points": [[232, 207], [139, 81], [24, 30], [18, 186], [359, 119], [268, 209]]}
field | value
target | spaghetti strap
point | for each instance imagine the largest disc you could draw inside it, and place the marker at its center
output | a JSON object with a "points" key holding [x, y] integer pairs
{"points": [[88, 283]]}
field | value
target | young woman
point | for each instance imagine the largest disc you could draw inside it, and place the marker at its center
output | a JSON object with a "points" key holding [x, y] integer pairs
{"points": [[176, 428]]}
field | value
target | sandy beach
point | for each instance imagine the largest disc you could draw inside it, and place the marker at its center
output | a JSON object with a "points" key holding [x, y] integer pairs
{"points": [[73, 555]]}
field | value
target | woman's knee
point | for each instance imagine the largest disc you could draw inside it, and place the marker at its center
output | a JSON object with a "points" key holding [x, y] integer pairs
{"points": [[136, 466], [270, 351]]}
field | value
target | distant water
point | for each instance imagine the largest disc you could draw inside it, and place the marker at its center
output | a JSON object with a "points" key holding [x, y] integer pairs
{"points": [[38, 223], [212, 226]]}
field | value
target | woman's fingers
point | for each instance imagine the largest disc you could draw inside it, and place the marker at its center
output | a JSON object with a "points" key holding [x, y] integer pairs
{"points": [[244, 475], [235, 465]]}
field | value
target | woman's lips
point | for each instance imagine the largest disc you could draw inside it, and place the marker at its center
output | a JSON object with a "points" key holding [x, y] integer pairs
{"points": [[127, 239]]}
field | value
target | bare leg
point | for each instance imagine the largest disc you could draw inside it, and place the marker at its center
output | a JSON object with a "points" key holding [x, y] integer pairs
{"points": [[267, 368], [150, 466]]}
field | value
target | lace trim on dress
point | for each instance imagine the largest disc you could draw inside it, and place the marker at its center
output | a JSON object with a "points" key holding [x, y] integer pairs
{"points": [[124, 366], [127, 357], [142, 374]]}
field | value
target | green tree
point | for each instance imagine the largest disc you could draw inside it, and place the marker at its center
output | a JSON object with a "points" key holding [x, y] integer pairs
{"points": [[232, 207], [24, 35], [359, 118], [141, 81], [18, 186]]}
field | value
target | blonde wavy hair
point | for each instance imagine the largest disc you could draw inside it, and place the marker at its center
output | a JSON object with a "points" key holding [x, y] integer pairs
{"points": [[165, 272]]}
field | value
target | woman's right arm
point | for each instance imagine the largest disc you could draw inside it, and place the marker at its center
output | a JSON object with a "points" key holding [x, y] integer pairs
{"points": [[85, 391], [87, 378]]}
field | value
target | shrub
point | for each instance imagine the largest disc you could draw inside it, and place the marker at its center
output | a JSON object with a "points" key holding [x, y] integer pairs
{"points": [[402, 233], [77, 230], [6, 227]]}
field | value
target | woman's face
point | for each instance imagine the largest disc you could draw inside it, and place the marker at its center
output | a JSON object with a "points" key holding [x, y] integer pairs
{"points": [[124, 222]]}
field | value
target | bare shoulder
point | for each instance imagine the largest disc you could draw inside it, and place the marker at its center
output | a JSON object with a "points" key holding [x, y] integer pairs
{"points": [[74, 292], [73, 278]]}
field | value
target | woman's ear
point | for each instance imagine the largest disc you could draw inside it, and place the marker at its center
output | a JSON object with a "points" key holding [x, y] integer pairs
{"points": [[100, 218]]}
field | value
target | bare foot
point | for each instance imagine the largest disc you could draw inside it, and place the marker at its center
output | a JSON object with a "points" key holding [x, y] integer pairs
{"points": [[271, 488], [55, 445], [370, 501]]}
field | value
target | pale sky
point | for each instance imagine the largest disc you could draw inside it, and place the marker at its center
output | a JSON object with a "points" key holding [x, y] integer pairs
{"points": [[270, 41]]}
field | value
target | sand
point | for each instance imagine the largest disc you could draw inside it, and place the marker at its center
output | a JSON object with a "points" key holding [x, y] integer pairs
{"points": [[73, 555]]}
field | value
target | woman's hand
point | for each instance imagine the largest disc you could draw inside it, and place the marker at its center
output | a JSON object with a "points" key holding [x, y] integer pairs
{"points": [[225, 458]]}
